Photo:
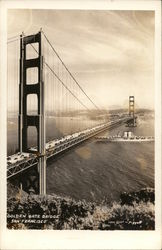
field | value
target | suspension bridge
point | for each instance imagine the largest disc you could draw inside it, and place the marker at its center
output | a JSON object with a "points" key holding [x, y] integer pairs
{"points": [[48, 108]]}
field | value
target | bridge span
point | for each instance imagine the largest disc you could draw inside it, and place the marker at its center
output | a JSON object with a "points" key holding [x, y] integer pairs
{"points": [[18, 162], [40, 85]]}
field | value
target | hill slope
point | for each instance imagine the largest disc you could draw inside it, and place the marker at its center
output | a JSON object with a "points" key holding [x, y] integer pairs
{"points": [[134, 211]]}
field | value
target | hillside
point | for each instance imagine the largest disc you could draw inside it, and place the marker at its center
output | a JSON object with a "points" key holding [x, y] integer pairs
{"points": [[134, 211]]}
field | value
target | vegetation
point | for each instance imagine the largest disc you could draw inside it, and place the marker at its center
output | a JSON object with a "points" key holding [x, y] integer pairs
{"points": [[134, 211]]}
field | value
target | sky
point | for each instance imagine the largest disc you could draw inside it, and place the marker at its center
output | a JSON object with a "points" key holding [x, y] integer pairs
{"points": [[110, 53]]}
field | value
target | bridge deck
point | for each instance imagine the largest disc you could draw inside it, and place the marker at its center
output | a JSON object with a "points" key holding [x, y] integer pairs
{"points": [[18, 163]]}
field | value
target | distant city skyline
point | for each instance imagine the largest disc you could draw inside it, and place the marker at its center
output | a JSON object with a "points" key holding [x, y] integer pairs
{"points": [[110, 53]]}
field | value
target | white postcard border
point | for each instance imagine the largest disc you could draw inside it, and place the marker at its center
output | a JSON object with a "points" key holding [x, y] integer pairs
{"points": [[50, 239]]}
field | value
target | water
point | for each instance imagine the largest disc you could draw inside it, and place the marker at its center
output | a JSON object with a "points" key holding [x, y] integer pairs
{"points": [[95, 171], [56, 127]]}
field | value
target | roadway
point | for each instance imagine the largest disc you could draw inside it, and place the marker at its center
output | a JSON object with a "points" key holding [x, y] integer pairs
{"points": [[20, 162]]}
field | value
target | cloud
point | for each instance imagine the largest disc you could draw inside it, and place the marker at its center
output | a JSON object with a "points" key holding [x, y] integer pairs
{"points": [[100, 48]]}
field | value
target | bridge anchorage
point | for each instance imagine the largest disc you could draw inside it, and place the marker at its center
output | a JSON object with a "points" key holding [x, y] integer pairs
{"points": [[66, 100], [131, 122]]}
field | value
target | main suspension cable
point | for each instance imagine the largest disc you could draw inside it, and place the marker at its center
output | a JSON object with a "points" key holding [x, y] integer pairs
{"points": [[62, 82], [69, 71]]}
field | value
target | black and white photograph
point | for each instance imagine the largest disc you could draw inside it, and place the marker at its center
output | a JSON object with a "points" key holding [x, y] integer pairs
{"points": [[81, 114]]}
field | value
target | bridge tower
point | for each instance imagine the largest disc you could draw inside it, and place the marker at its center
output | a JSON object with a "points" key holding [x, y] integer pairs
{"points": [[132, 121], [36, 181], [131, 106]]}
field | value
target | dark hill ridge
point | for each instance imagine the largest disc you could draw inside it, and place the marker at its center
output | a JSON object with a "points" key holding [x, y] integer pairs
{"points": [[134, 211]]}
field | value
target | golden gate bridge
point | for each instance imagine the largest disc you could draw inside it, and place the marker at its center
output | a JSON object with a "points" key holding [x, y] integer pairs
{"points": [[44, 97]]}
